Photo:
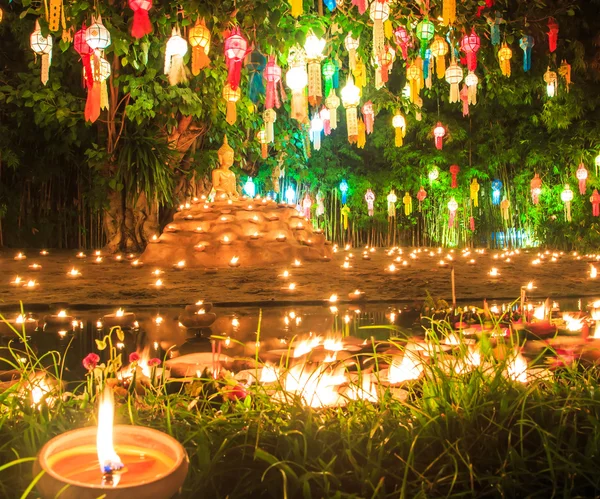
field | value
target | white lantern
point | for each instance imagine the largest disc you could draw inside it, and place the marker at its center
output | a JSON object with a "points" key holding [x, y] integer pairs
{"points": [[42, 46], [97, 36], [351, 99]]}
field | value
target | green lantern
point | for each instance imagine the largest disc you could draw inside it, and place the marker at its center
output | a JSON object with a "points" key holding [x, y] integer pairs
{"points": [[328, 73], [425, 33]]}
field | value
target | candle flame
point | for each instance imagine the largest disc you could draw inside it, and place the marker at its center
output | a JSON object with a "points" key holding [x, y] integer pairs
{"points": [[409, 368], [120, 313], [593, 272], [107, 456]]}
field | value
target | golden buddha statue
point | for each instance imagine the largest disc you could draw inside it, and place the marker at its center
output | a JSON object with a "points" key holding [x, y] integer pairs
{"points": [[223, 179]]}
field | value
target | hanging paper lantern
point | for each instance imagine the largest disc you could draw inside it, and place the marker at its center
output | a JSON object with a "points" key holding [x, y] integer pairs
{"points": [[273, 77], [379, 12], [250, 188], [425, 33], [464, 97], [296, 8], [316, 128], [306, 205], [504, 56], [332, 103], [97, 98], [433, 174], [290, 195], [551, 80], [362, 134], [454, 75], [567, 196], [314, 47], [536, 188], [552, 34], [470, 44], [595, 200], [421, 195], [351, 46], [361, 4], [495, 28], [297, 79], [439, 132], [262, 139], [527, 42], [475, 192], [368, 116], [582, 175], [504, 206], [472, 224], [344, 190], [320, 204], [496, 191], [330, 4], [452, 207], [407, 200], [199, 38], [42, 46], [565, 71], [231, 97], [454, 169], [256, 63], [345, 211], [391, 200], [439, 49], [1, 15], [97, 36], [236, 49], [329, 70], [597, 161], [351, 99], [269, 117], [85, 52], [360, 74], [399, 124], [448, 12], [325, 116], [141, 21], [414, 75], [384, 63], [370, 199], [471, 81], [176, 48], [403, 40]]}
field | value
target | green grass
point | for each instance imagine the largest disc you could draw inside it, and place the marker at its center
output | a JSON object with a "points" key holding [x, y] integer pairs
{"points": [[471, 435]]}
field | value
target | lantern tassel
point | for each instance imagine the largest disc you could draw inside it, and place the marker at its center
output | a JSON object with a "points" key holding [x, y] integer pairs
{"points": [[333, 118], [141, 23], [352, 124], [103, 95], [315, 92], [362, 135], [231, 116], [449, 12], [92, 104], [176, 70], [378, 37], [440, 66], [464, 97], [472, 224], [200, 60], [299, 112], [45, 70], [55, 15], [399, 137], [451, 219], [296, 8], [264, 150]]}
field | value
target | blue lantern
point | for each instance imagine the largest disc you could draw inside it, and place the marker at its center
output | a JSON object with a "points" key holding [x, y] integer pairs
{"points": [[496, 191], [330, 4], [250, 188], [344, 191], [426, 63], [290, 195]]}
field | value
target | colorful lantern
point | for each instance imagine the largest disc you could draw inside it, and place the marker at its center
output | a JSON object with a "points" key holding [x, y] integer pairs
{"points": [[368, 116], [551, 80], [361, 4], [351, 46], [231, 97], [403, 40], [488, 4], [448, 12], [290, 195], [504, 206], [250, 188], [262, 139], [297, 79], [97, 36], [332, 103], [329, 71], [439, 49], [362, 134], [345, 211], [582, 175], [552, 34], [536, 189], [316, 128], [504, 56], [414, 75], [565, 71], [425, 33], [454, 75], [595, 200], [399, 124], [379, 12], [452, 207], [314, 47], [475, 192], [176, 48], [496, 191], [320, 204], [344, 190], [98, 96], [85, 52], [236, 50], [391, 200], [296, 8], [141, 21], [439, 132], [42, 46], [330, 4], [269, 117], [454, 169], [566, 197], [360, 74], [433, 174], [273, 77], [421, 196], [370, 199], [471, 81], [351, 99], [306, 205], [470, 44], [199, 38], [464, 97], [407, 200], [256, 63], [472, 224], [495, 28], [325, 116], [527, 42], [384, 63]]}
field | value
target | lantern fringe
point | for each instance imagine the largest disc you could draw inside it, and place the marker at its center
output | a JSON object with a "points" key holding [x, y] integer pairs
{"points": [[352, 124], [103, 95], [45, 70], [176, 70], [299, 104], [448, 12], [315, 91], [440, 66], [362, 135], [231, 116], [200, 60], [92, 104], [56, 11], [399, 136], [296, 8], [141, 23]]}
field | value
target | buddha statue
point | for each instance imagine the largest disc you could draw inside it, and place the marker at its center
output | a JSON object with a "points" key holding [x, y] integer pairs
{"points": [[223, 179]]}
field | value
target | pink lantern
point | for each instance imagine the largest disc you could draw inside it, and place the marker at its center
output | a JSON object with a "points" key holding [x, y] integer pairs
{"points": [[595, 200], [472, 223], [273, 77], [370, 199], [421, 195], [470, 45], [536, 188], [552, 34], [582, 175], [439, 132], [306, 205], [369, 116], [141, 21], [361, 4], [452, 207], [325, 115], [403, 40], [236, 49], [454, 169], [85, 51]]}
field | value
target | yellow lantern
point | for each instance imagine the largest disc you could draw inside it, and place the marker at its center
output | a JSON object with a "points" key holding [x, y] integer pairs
{"points": [[448, 12], [414, 75], [231, 97], [42, 46], [504, 56], [351, 99], [475, 192], [439, 49], [399, 124], [551, 79], [199, 38]]}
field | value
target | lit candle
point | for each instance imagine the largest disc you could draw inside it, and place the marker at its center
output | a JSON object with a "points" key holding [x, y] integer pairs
{"points": [[157, 272], [200, 247], [180, 265], [31, 284], [391, 268], [137, 264], [254, 236], [20, 256], [74, 273], [297, 263], [154, 239], [119, 258], [80, 255], [494, 272], [285, 274], [234, 262], [44, 253], [346, 265], [158, 283], [225, 240], [35, 267], [17, 281], [593, 272], [280, 237], [98, 260]]}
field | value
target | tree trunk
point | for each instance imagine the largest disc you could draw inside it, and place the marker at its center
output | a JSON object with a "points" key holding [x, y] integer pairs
{"points": [[113, 221]]}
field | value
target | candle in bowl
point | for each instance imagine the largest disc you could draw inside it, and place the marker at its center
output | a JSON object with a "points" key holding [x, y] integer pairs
{"points": [[200, 247], [119, 258], [74, 273], [280, 238], [120, 318], [137, 264], [297, 263], [226, 240], [158, 283], [180, 265], [234, 262], [346, 265], [98, 260], [391, 268], [285, 274], [199, 307], [44, 253], [111, 462], [80, 255], [17, 281], [21, 323], [356, 295], [291, 288], [60, 319], [494, 272], [255, 235], [31, 284], [20, 256]]}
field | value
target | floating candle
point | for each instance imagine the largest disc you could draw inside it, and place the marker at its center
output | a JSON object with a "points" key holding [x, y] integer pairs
{"points": [[81, 254], [226, 240], [234, 262], [20, 256], [158, 283], [297, 263], [494, 272], [17, 281], [74, 273], [44, 253], [280, 237], [154, 239], [137, 264], [180, 265]]}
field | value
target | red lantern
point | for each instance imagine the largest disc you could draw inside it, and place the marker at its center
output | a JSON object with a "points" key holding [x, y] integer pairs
{"points": [[552, 34], [403, 40], [273, 77], [141, 21], [488, 5], [582, 176], [536, 189], [84, 50], [421, 195], [595, 199], [361, 4], [472, 224], [439, 132], [470, 45], [236, 49], [454, 169]]}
